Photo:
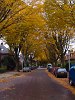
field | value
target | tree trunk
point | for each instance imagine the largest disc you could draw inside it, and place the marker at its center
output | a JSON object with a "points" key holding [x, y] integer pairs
{"points": [[62, 60], [17, 58]]}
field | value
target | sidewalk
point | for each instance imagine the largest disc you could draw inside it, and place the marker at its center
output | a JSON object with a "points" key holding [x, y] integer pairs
{"points": [[8, 74]]}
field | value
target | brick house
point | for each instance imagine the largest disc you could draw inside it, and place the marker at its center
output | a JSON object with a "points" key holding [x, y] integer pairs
{"points": [[72, 59], [72, 56]]}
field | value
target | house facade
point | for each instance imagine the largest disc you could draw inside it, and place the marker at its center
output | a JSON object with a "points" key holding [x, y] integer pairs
{"points": [[71, 56], [70, 59]]}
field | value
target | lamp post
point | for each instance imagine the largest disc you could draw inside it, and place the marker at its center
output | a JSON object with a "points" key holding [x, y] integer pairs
{"points": [[0, 57], [69, 55], [69, 58]]}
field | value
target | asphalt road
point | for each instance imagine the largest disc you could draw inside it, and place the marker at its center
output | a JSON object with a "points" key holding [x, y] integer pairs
{"points": [[34, 86]]}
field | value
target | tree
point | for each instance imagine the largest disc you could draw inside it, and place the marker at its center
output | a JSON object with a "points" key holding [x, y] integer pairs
{"points": [[60, 19], [23, 20], [61, 11]]}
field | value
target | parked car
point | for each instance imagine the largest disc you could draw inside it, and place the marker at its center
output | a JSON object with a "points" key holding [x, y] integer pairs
{"points": [[72, 76], [49, 67], [26, 69], [61, 72], [33, 67], [54, 69]]}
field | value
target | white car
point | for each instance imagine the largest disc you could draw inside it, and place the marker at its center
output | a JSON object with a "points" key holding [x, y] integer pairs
{"points": [[49, 67], [26, 69]]}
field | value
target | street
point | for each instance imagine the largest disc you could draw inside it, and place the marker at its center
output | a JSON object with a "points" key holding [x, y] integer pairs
{"points": [[35, 85]]}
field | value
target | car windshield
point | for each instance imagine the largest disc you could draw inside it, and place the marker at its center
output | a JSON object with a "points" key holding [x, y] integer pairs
{"points": [[49, 65], [61, 69]]}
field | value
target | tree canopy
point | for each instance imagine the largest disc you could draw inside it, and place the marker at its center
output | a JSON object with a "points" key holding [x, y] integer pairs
{"points": [[60, 18], [38, 26]]}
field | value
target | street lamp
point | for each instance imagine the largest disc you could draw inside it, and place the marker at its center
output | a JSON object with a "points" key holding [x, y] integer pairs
{"points": [[69, 58]]}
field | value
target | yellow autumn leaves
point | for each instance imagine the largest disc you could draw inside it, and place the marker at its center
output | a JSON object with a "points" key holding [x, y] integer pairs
{"points": [[34, 25]]}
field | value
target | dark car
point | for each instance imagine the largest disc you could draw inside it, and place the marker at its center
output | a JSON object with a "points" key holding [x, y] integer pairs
{"points": [[61, 72], [54, 69], [72, 76], [33, 67]]}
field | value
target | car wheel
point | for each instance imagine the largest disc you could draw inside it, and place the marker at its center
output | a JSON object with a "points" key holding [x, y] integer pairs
{"points": [[56, 75], [48, 70], [66, 76], [71, 82]]}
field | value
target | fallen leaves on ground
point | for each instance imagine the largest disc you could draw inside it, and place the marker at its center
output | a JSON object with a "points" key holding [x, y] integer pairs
{"points": [[7, 88], [7, 79], [63, 81], [3, 80]]}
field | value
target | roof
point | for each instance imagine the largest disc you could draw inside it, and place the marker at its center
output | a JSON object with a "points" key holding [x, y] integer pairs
{"points": [[3, 49]]}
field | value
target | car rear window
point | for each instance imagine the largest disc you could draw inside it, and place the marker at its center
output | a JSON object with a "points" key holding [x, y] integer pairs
{"points": [[73, 67], [59, 70]]}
